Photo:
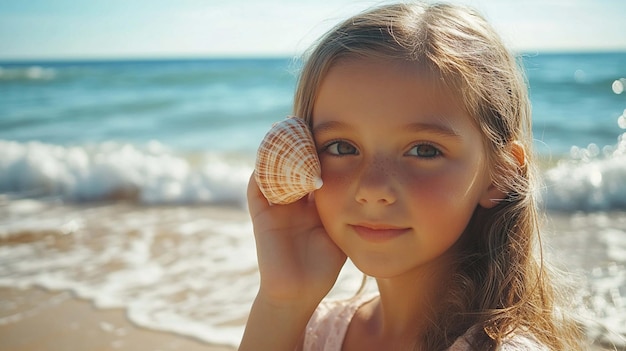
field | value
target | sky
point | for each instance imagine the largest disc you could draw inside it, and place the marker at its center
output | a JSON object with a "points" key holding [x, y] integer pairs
{"points": [[101, 29]]}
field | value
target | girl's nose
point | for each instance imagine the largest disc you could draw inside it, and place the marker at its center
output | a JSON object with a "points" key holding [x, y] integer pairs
{"points": [[375, 184]]}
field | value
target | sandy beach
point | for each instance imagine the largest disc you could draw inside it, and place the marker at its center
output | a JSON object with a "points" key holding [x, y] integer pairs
{"points": [[38, 320]]}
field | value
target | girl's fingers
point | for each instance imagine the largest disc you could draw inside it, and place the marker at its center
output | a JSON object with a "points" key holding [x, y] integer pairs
{"points": [[256, 199]]}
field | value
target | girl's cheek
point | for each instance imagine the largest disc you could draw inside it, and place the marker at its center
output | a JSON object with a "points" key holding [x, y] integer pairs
{"points": [[335, 181], [336, 177]]}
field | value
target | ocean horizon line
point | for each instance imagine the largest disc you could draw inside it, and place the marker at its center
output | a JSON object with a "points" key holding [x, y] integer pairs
{"points": [[252, 57]]}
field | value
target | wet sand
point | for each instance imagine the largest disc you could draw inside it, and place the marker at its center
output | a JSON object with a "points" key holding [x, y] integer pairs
{"points": [[39, 320]]}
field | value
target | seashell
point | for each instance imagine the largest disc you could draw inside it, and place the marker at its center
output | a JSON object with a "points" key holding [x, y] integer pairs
{"points": [[287, 166]]}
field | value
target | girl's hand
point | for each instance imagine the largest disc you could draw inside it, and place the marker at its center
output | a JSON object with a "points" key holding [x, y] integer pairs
{"points": [[298, 261]]}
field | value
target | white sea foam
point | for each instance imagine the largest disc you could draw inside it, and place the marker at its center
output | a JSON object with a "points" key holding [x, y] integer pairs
{"points": [[33, 72], [590, 180], [150, 175]]}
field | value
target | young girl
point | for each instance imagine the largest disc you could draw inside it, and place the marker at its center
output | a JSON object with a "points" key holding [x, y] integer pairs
{"points": [[422, 123]]}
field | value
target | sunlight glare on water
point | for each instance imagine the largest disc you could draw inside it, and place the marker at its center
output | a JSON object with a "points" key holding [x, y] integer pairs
{"points": [[618, 85], [621, 121]]}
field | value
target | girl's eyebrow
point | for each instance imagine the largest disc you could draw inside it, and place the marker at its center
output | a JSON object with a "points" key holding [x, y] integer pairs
{"points": [[329, 126], [433, 128]]}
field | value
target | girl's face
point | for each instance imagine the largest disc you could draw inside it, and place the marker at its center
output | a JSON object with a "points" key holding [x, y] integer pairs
{"points": [[403, 165]]}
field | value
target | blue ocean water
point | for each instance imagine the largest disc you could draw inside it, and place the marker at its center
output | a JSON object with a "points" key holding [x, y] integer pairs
{"points": [[187, 105], [226, 104], [156, 116], [574, 103], [176, 133]]}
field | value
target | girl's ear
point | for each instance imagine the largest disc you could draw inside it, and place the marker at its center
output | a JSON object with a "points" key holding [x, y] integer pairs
{"points": [[519, 152], [493, 195]]}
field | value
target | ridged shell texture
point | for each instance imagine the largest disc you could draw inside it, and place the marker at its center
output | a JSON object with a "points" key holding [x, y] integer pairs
{"points": [[287, 166]]}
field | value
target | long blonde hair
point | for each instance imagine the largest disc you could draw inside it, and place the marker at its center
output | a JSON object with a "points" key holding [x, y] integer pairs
{"points": [[500, 284]]}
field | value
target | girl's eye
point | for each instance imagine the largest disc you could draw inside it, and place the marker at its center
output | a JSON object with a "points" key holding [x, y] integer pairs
{"points": [[424, 151], [341, 148]]}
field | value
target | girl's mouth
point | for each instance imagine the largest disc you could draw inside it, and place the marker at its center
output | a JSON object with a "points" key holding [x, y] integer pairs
{"points": [[379, 232]]}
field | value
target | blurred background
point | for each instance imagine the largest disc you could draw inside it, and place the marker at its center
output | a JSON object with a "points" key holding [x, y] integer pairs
{"points": [[128, 131]]}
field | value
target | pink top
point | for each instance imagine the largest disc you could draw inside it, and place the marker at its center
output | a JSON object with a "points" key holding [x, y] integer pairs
{"points": [[328, 326]]}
